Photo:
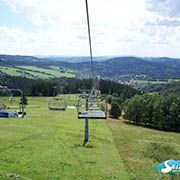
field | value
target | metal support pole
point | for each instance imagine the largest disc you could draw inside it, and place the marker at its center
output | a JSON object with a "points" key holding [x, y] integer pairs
{"points": [[21, 102], [86, 126], [54, 91]]}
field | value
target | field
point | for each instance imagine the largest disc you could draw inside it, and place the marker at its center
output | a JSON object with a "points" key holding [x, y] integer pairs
{"points": [[10, 70], [48, 145], [37, 72], [154, 82]]}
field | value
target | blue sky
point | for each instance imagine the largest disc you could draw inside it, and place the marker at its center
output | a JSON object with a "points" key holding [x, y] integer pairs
{"points": [[119, 27], [10, 19]]}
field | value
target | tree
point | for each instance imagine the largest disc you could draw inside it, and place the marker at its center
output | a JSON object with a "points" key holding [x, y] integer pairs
{"points": [[161, 112], [115, 110], [24, 99], [134, 109]]}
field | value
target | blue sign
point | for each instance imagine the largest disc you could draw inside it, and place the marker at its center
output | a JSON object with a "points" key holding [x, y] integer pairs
{"points": [[169, 167]]}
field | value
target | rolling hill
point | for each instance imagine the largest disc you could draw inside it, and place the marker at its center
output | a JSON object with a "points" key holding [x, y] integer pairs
{"points": [[31, 67], [114, 68], [129, 66]]}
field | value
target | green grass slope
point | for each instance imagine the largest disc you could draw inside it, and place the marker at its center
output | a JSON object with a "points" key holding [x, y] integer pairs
{"points": [[10, 70], [142, 149], [48, 145]]}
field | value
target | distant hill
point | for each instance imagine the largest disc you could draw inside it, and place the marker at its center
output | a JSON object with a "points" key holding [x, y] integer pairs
{"points": [[171, 62], [119, 67], [129, 66], [75, 59], [19, 60], [3, 63], [32, 67], [27, 59]]}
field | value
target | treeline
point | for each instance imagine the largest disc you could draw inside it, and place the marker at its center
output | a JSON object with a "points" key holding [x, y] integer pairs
{"points": [[16, 82], [40, 87], [164, 88], [59, 86], [154, 110]]}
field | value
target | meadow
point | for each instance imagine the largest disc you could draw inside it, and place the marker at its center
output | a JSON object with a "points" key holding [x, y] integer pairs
{"points": [[48, 145], [155, 82], [37, 72]]}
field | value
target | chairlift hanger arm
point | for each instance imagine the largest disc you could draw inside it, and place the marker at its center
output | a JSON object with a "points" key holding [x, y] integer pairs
{"points": [[3, 87], [17, 90], [10, 90]]}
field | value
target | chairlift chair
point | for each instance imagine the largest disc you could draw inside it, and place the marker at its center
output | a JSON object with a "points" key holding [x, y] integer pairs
{"points": [[94, 107], [58, 104], [11, 98], [2, 106], [72, 101], [9, 113]]}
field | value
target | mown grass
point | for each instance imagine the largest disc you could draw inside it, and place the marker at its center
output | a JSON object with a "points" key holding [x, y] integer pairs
{"points": [[10, 70], [154, 82], [142, 149], [48, 145], [36, 72], [52, 72], [13, 71]]}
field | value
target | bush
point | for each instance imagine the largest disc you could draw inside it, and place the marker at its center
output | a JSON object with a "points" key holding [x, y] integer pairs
{"points": [[115, 110]]}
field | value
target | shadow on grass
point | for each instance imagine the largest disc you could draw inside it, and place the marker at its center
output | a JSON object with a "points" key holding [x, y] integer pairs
{"points": [[82, 146], [147, 126], [64, 165], [91, 162]]}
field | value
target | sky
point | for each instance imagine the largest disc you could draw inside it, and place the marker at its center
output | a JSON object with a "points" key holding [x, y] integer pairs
{"points": [[146, 28]]}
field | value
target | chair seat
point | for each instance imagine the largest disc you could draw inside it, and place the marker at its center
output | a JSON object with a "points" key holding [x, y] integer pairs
{"points": [[57, 109], [92, 115], [94, 108]]}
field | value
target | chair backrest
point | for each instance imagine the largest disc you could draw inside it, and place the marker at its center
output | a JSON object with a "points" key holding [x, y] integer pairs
{"points": [[94, 109], [57, 103]]}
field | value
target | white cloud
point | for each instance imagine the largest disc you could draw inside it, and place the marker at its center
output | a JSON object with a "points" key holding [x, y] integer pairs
{"points": [[42, 12], [119, 27], [42, 42]]}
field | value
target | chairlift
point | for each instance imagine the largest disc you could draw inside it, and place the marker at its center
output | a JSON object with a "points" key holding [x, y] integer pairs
{"points": [[2, 106], [13, 113], [72, 100], [57, 104], [93, 107], [11, 100]]}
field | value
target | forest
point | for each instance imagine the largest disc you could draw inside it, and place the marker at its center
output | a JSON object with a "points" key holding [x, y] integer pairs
{"points": [[44, 87], [154, 110]]}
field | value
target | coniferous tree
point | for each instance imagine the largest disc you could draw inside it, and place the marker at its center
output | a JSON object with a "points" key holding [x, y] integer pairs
{"points": [[115, 110]]}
